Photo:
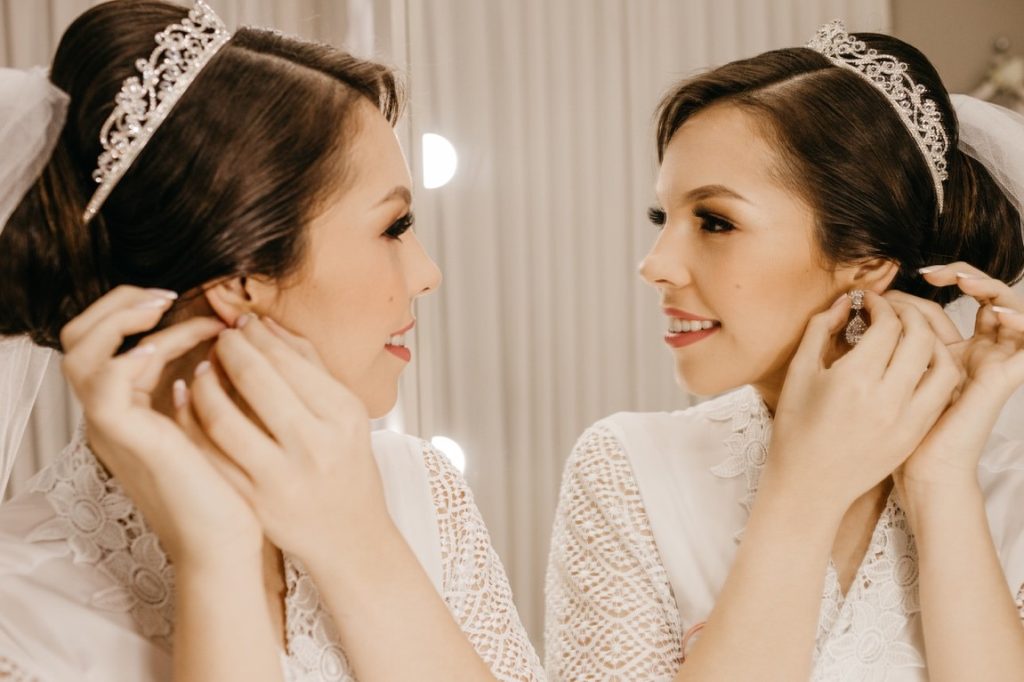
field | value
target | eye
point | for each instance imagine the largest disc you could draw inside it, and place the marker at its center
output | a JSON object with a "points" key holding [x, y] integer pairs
{"points": [[713, 224], [656, 216], [399, 227]]}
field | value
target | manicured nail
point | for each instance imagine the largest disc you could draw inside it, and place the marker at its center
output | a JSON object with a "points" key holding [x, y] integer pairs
{"points": [[202, 368], [242, 320], [164, 293], [180, 394], [1005, 311], [153, 304], [143, 350], [967, 275], [930, 268]]}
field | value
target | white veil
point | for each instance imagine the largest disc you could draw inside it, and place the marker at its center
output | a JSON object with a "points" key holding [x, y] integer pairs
{"points": [[994, 136], [32, 112]]}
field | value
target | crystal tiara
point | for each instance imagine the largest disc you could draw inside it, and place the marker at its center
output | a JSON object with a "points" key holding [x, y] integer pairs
{"points": [[182, 50], [887, 74]]}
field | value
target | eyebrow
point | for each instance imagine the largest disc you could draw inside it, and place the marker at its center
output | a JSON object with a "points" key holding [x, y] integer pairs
{"points": [[399, 192], [713, 191]]}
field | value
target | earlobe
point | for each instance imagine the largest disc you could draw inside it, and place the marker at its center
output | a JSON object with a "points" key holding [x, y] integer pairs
{"points": [[229, 298]]}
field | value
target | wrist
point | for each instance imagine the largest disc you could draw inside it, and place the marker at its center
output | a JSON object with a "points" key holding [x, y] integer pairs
{"points": [[354, 556]]}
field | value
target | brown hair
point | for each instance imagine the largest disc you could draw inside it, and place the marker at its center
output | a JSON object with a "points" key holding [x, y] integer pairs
{"points": [[845, 151], [224, 188]]}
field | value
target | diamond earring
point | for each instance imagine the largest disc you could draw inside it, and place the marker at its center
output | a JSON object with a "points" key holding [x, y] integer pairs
{"points": [[857, 326]]}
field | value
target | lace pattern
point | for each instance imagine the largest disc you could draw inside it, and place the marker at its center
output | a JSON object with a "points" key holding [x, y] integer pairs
{"points": [[102, 527], [611, 614], [476, 588]]}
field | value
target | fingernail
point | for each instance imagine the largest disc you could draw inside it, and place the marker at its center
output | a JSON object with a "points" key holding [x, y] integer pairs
{"points": [[164, 293], [153, 304], [1004, 310], [202, 368], [143, 350], [930, 268], [242, 320], [839, 300], [967, 275], [180, 394]]}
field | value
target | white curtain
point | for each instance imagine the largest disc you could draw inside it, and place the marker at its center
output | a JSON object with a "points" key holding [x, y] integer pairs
{"points": [[29, 33], [542, 326]]}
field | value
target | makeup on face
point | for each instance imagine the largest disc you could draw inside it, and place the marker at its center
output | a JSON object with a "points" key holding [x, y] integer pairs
{"points": [[685, 328]]}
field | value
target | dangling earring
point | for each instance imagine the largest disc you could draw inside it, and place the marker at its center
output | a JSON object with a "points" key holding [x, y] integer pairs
{"points": [[857, 326]]}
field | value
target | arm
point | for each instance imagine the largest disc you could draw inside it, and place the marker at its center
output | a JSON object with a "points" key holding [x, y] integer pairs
{"points": [[610, 610], [972, 629], [222, 629]]}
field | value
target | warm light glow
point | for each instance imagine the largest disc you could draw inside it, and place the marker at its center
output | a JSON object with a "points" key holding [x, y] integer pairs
{"points": [[452, 450], [439, 161]]}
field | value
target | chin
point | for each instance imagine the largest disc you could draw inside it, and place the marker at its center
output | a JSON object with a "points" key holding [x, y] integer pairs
{"points": [[701, 382], [381, 402]]}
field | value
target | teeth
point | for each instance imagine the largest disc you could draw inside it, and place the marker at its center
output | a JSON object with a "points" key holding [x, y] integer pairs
{"points": [[677, 326], [397, 340]]}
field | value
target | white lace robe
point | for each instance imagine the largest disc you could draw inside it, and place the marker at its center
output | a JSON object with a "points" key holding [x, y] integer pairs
{"points": [[87, 594], [651, 509]]}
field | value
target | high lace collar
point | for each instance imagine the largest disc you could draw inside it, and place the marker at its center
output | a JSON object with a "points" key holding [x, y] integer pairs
{"points": [[103, 528], [860, 636]]}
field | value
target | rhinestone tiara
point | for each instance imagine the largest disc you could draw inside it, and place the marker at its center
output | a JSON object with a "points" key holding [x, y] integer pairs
{"points": [[182, 50], [887, 74]]}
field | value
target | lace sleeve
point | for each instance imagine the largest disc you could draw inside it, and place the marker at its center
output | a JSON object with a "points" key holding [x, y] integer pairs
{"points": [[610, 610], [12, 672], [1020, 603], [476, 588]]}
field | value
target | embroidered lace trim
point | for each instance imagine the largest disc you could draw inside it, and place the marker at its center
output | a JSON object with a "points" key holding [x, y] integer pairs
{"points": [[102, 527], [476, 588], [12, 672], [611, 614], [860, 636]]}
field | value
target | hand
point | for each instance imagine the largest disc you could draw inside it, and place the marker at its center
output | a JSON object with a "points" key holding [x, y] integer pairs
{"points": [[303, 459], [193, 509], [842, 428], [992, 365]]}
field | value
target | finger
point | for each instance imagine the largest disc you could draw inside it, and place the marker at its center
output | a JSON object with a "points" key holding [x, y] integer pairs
{"points": [[1009, 318], [119, 298], [817, 338], [940, 322], [879, 342], [227, 427], [226, 466], [318, 390], [101, 341], [161, 348], [975, 283], [914, 351], [263, 388], [938, 385]]}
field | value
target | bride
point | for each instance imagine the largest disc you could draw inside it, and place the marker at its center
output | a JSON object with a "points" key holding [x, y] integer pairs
{"points": [[846, 513], [202, 184]]}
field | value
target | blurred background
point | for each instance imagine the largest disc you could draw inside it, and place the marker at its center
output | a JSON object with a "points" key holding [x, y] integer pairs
{"points": [[529, 132]]}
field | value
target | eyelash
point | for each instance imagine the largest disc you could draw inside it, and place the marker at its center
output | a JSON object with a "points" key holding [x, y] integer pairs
{"points": [[657, 217], [399, 227]]}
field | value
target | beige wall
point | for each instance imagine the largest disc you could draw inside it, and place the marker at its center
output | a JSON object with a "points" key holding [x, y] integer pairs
{"points": [[957, 35]]}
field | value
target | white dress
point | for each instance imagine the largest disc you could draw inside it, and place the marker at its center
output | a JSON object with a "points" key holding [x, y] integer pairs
{"points": [[86, 592], [647, 527]]}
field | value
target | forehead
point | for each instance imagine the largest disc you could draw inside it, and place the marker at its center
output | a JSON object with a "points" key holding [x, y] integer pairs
{"points": [[376, 160], [720, 145]]}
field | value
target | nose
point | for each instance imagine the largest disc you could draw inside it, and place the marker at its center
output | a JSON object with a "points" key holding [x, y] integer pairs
{"points": [[425, 276], [664, 265]]}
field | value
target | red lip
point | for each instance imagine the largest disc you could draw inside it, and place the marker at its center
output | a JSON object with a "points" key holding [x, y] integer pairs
{"points": [[400, 352], [404, 329], [683, 315]]}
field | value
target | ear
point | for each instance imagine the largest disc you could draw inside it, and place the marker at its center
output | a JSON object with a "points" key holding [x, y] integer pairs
{"points": [[230, 298], [873, 275]]}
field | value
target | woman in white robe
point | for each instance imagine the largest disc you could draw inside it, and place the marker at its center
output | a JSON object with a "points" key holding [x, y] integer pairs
{"points": [[846, 514], [275, 186]]}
